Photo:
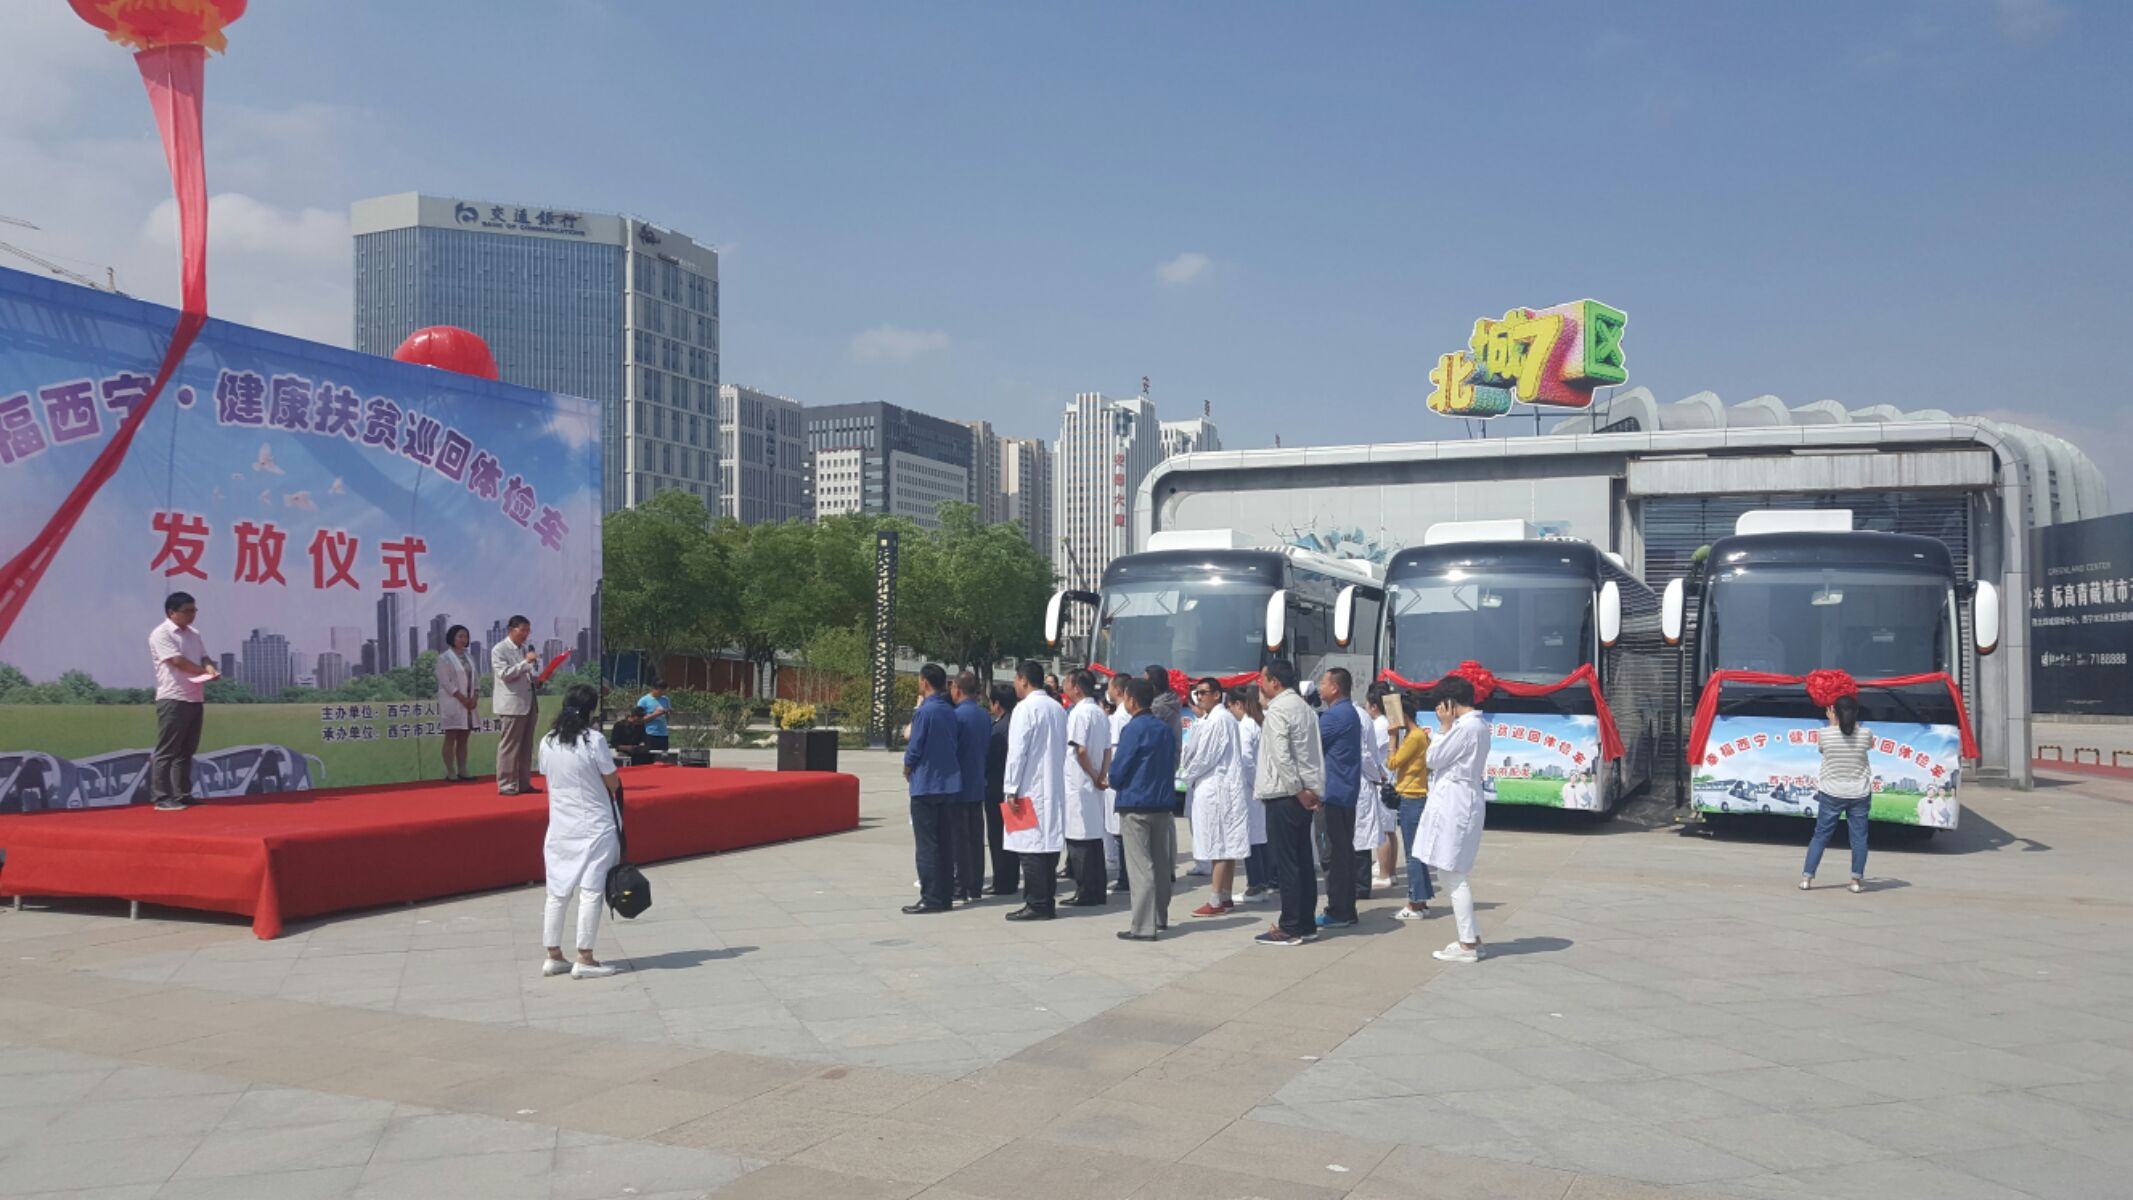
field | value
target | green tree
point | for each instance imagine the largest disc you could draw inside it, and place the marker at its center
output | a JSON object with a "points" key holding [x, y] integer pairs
{"points": [[12, 681], [666, 583], [978, 591]]}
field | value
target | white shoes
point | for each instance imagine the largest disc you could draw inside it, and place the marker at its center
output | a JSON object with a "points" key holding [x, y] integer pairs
{"points": [[1404, 913], [1459, 953], [1380, 881], [601, 971], [552, 967], [1200, 869]]}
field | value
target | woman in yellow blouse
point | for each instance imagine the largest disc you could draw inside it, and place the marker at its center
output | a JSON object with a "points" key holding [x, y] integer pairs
{"points": [[1410, 771]]}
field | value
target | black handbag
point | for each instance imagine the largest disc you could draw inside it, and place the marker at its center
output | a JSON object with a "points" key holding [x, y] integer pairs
{"points": [[629, 893]]}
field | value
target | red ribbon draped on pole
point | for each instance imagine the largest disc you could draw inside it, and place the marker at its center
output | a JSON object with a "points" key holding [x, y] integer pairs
{"points": [[1823, 688], [1486, 683], [1181, 683], [174, 75]]}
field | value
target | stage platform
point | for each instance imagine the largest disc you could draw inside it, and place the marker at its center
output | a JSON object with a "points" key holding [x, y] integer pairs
{"points": [[315, 853]]}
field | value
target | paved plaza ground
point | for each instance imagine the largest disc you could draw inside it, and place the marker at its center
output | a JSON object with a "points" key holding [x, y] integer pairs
{"points": [[1663, 1014]]}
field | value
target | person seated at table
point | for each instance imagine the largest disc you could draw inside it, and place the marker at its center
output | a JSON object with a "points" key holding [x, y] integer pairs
{"points": [[628, 739]]}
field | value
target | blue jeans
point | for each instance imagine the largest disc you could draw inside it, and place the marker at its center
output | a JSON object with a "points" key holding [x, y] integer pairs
{"points": [[1827, 809], [1419, 890]]}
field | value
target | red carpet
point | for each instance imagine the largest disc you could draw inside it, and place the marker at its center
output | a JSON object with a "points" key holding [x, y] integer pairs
{"points": [[333, 851]]}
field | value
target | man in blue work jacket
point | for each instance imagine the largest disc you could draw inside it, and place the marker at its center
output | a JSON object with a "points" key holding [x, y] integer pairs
{"points": [[935, 772], [973, 736], [1340, 740], [1144, 768]]}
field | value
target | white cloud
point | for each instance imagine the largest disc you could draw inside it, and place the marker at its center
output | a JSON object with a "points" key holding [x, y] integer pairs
{"points": [[575, 429], [1184, 268], [239, 224], [889, 343], [2029, 21], [47, 58]]}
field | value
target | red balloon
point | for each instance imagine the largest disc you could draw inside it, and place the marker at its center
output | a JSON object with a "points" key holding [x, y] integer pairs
{"points": [[145, 24], [449, 348]]}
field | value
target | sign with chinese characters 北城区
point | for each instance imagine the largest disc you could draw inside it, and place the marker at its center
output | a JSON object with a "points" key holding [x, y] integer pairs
{"points": [[1549, 357]]}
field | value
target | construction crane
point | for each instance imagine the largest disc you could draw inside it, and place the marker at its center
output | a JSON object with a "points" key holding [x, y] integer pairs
{"points": [[111, 277]]}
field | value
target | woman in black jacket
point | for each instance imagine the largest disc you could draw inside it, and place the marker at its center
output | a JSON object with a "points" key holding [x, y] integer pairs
{"points": [[1006, 864]]}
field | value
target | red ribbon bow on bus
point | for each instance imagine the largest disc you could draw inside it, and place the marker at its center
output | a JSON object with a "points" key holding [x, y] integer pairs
{"points": [[1823, 688], [1181, 683], [1487, 683]]}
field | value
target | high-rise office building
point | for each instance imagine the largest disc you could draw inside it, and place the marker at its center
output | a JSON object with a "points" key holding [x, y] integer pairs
{"points": [[389, 642], [988, 490], [762, 456], [1106, 447], [439, 623], [332, 671], [264, 667], [229, 665], [1186, 437], [882, 458], [613, 309], [1026, 489]]}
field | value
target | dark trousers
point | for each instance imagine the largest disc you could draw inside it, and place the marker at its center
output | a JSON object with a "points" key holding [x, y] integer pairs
{"points": [[170, 772], [932, 828], [1085, 865], [1259, 867], [1040, 880], [1288, 837], [1340, 861], [656, 741], [967, 825], [1006, 864]]}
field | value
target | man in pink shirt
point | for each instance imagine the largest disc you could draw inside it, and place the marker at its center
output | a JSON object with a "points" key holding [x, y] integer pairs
{"points": [[180, 658]]}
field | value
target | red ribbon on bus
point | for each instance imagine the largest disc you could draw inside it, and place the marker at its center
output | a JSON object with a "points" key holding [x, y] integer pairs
{"points": [[1181, 683], [1487, 683], [1823, 688]]}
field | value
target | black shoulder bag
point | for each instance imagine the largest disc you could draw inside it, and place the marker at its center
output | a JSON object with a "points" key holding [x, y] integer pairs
{"points": [[629, 893]]}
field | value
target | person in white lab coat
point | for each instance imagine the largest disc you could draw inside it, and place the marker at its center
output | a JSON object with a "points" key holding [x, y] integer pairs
{"points": [[1243, 704], [458, 702], [1113, 704], [1372, 822], [1036, 775], [1221, 793], [1449, 836], [1087, 754], [584, 840]]}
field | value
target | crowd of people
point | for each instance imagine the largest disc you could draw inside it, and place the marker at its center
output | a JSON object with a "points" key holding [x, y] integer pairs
{"points": [[1290, 782]]}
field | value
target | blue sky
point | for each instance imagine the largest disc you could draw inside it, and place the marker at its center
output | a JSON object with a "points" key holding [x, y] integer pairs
{"points": [[1283, 210]]}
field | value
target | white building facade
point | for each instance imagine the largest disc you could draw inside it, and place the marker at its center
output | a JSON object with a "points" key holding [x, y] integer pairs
{"points": [[1026, 490], [1187, 437], [762, 456], [1106, 447]]}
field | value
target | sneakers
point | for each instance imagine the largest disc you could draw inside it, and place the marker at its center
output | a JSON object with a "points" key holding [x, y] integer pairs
{"points": [[1858, 885], [1380, 881], [1200, 869], [593, 971], [170, 806], [1807, 883], [1327, 921], [1456, 952], [1256, 894], [1279, 937], [1213, 910], [1406, 913], [552, 967]]}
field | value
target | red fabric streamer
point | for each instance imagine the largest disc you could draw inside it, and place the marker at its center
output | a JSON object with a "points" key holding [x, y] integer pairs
{"points": [[1487, 683], [1826, 685], [1707, 703], [174, 77], [1181, 683]]}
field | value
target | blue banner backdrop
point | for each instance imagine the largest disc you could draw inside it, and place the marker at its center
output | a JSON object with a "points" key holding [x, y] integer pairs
{"points": [[334, 514]]}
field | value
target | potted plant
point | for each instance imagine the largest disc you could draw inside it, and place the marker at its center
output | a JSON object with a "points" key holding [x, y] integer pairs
{"points": [[801, 746]]}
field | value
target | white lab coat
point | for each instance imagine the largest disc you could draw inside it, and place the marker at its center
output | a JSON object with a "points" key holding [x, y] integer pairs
{"points": [[455, 674], [582, 844], [1372, 820], [1450, 834], [1221, 792], [1088, 728], [1118, 718], [1248, 755], [1036, 758]]}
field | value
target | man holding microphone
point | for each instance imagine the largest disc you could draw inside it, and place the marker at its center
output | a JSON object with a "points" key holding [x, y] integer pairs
{"points": [[182, 671], [517, 668]]}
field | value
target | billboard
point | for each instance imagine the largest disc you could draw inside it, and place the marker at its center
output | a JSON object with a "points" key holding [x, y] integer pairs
{"points": [[2081, 616], [333, 513], [1771, 765], [1546, 759]]}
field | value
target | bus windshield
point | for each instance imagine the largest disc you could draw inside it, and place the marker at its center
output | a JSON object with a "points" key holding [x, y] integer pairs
{"points": [[1212, 625], [1528, 627], [1795, 619]]}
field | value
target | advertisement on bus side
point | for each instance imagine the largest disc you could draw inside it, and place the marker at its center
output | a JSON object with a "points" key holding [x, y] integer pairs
{"points": [[1544, 759], [1770, 765]]}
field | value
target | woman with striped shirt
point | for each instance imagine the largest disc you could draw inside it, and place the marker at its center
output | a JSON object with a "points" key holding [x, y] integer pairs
{"points": [[1845, 788]]}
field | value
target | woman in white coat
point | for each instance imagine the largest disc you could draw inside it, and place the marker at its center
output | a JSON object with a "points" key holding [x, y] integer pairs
{"points": [[1449, 836], [584, 841], [457, 698], [1244, 704], [1221, 794], [1035, 775]]}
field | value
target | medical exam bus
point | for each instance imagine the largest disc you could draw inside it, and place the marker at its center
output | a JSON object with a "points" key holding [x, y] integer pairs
{"points": [[1800, 590], [1534, 611], [1206, 602]]}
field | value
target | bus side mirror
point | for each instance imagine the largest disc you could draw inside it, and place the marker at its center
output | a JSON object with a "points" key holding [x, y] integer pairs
{"points": [[1985, 616], [1277, 618], [1054, 610], [1670, 611], [1344, 616], [1610, 613]]}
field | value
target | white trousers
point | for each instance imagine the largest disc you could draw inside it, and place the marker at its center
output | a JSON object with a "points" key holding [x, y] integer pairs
{"points": [[1455, 882], [589, 904]]}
